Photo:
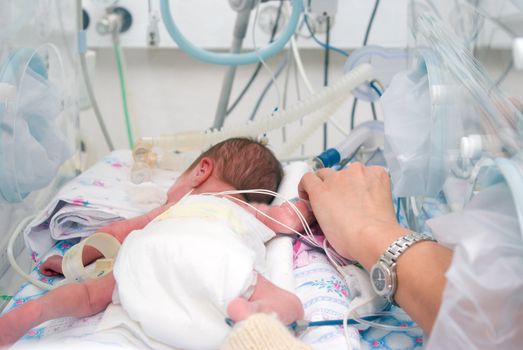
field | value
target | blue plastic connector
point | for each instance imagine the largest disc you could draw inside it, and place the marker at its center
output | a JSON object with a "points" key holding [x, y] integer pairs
{"points": [[328, 158]]}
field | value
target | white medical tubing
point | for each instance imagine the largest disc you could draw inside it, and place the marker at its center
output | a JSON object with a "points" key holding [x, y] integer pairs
{"points": [[10, 256], [305, 78], [299, 64], [318, 119], [200, 140], [262, 61], [361, 319], [87, 79]]}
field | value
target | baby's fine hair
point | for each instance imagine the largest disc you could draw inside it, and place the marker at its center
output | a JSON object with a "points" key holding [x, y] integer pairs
{"points": [[245, 164]]}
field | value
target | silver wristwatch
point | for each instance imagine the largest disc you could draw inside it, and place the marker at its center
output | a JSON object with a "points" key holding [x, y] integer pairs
{"points": [[383, 273]]}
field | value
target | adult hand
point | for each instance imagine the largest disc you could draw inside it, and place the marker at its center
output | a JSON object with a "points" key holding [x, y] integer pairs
{"points": [[351, 207]]}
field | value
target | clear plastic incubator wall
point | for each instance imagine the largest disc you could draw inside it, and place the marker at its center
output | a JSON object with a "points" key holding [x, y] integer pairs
{"points": [[453, 143], [38, 113]]}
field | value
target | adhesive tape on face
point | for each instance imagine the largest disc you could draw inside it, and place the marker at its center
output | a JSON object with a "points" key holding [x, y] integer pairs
{"points": [[72, 264]]}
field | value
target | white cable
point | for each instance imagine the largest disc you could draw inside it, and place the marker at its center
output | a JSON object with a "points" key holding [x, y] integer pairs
{"points": [[299, 65], [270, 218], [256, 51], [10, 256], [305, 78], [346, 317], [308, 232], [336, 259], [89, 86], [360, 319]]}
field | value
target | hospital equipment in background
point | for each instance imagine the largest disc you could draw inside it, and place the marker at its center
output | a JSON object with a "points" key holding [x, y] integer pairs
{"points": [[321, 105], [452, 140]]}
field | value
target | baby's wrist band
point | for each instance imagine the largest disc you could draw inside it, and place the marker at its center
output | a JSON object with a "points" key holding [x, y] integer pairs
{"points": [[72, 263]]}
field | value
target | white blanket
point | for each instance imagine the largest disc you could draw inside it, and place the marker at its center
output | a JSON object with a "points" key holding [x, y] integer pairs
{"points": [[177, 276], [97, 197]]}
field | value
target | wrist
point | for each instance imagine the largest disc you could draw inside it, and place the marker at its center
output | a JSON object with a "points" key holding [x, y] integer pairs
{"points": [[375, 239]]}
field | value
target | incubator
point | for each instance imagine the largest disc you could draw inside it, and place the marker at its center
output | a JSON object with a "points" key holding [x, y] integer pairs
{"points": [[451, 140]]}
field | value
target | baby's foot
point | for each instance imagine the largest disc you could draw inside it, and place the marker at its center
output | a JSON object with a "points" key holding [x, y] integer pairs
{"points": [[288, 308], [239, 309]]}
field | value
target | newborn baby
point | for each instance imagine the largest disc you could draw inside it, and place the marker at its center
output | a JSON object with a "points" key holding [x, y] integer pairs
{"points": [[206, 254]]}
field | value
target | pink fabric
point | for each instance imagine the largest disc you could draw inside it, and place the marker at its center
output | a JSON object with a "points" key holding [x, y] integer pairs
{"points": [[303, 253]]}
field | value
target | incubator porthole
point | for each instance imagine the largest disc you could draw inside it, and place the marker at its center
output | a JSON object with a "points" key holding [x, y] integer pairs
{"points": [[32, 146]]}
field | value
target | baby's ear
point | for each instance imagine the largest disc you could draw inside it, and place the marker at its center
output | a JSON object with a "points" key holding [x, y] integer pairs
{"points": [[202, 171]]}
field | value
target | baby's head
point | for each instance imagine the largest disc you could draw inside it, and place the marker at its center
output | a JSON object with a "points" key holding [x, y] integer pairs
{"points": [[243, 164]]}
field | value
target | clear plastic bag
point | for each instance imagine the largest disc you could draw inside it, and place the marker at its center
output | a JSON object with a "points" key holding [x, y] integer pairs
{"points": [[415, 159], [482, 304]]}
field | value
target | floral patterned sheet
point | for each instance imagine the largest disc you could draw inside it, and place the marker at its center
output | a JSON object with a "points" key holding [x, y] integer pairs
{"points": [[98, 196], [326, 296]]}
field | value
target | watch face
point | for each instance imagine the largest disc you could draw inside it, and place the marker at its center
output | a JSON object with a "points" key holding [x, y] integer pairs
{"points": [[378, 279], [382, 281]]}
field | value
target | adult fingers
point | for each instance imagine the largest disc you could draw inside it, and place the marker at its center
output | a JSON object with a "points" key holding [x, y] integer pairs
{"points": [[308, 183], [324, 173], [378, 172]]}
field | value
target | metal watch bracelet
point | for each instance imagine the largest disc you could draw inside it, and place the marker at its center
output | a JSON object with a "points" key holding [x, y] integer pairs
{"points": [[395, 250]]}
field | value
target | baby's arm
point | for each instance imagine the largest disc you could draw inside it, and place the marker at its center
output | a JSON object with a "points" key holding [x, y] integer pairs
{"points": [[77, 300], [283, 214], [119, 229]]}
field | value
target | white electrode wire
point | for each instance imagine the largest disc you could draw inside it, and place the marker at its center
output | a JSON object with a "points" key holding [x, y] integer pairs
{"points": [[346, 318], [262, 61], [308, 232], [12, 260], [270, 218], [336, 259], [351, 314], [361, 319]]}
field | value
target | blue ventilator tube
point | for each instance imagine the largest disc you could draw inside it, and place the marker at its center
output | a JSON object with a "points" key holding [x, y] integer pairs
{"points": [[301, 325]]}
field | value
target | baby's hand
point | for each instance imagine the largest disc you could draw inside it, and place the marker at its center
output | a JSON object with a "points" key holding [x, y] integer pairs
{"points": [[52, 266], [285, 215]]}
